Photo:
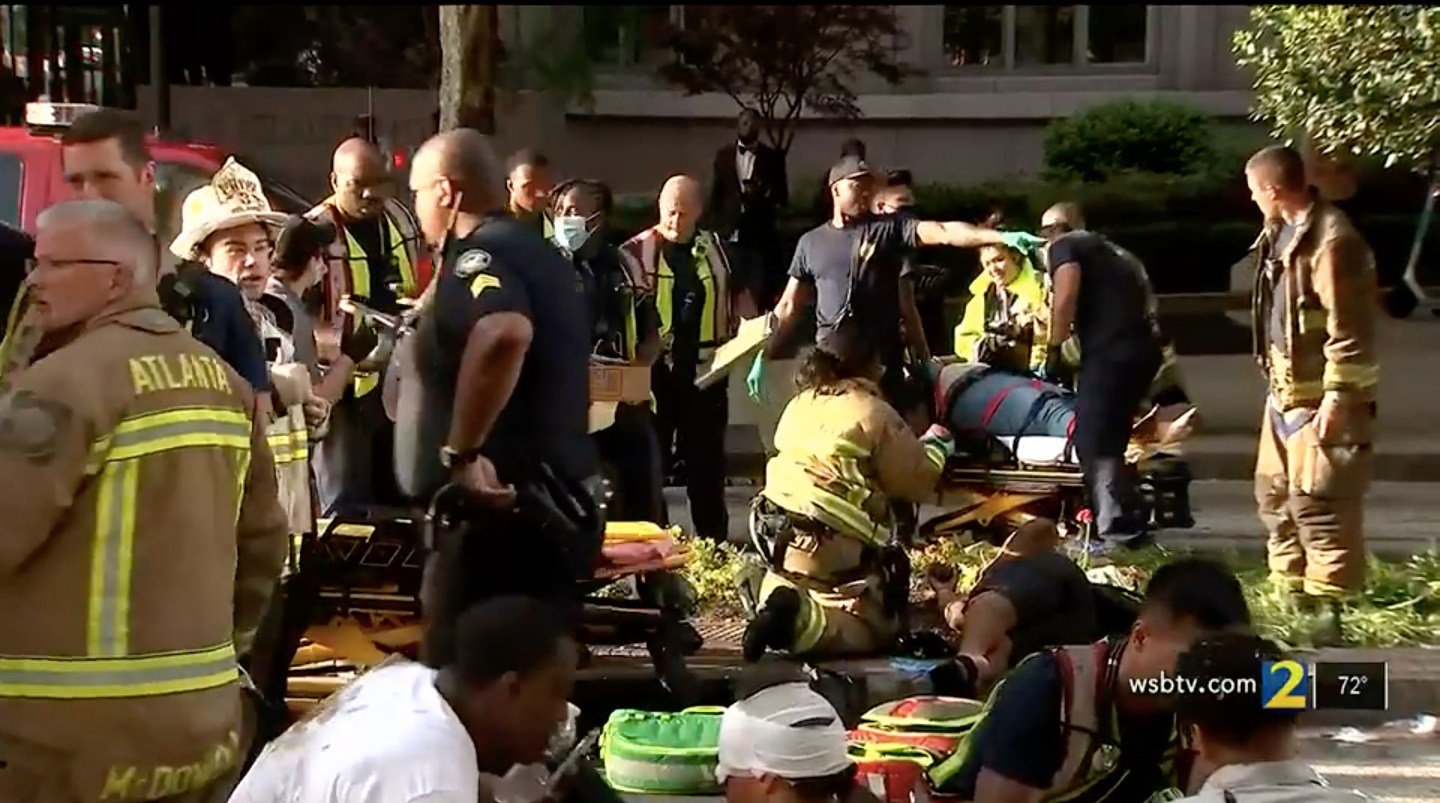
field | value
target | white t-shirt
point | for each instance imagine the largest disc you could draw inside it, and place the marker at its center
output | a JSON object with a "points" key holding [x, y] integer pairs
{"points": [[387, 738]]}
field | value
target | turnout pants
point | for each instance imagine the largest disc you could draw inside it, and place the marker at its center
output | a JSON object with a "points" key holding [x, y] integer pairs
{"points": [[693, 422], [1311, 498], [1110, 391]]}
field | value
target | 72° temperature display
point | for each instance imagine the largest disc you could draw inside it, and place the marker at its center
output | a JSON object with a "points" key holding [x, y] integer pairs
{"points": [[1352, 686]]}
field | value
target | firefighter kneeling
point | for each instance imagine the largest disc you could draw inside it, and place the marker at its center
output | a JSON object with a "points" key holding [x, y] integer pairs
{"points": [[837, 583]]}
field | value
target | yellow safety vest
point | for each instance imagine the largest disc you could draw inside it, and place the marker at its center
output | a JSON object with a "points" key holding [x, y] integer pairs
{"points": [[1090, 769], [713, 273], [358, 269]]}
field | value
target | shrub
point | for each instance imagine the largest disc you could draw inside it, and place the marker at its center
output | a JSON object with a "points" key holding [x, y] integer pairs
{"points": [[1127, 136]]}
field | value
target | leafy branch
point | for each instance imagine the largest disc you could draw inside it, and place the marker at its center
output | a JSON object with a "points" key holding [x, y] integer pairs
{"points": [[785, 60]]}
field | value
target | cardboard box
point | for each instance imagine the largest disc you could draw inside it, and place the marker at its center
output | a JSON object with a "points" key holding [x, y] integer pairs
{"points": [[619, 382]]}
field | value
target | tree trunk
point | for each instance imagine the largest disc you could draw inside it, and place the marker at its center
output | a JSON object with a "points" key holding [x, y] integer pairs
{"points": [[469, 42]]}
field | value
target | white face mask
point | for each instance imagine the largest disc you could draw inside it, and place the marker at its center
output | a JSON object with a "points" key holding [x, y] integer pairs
{"points": [[572, 232]]}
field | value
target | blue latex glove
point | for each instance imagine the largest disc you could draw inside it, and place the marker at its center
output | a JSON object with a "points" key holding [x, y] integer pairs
{"points": [[1021, 241], [755, 380]]}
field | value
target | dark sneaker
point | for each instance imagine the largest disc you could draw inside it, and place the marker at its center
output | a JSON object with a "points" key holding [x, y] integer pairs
{"points": [[773, 627]]}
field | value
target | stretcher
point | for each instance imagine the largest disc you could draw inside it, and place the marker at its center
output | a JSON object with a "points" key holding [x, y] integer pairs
{"points": [[1001, 476], [359, 584]]}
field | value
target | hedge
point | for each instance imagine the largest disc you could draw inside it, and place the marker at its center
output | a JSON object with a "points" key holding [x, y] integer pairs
{"points": [[1188, 231]]}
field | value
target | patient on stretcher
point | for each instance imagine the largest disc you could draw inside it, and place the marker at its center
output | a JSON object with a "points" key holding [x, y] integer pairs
{"points": [[1033, 420]]}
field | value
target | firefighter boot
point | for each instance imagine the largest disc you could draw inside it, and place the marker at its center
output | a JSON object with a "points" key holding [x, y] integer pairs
{"points": [[773, 627]]}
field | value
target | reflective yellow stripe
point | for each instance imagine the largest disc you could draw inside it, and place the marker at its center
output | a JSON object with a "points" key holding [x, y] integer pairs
{"points": [[289, 447], [935, 455], [117, 458], [1341, 375], [408, 285], [131, 676], [810, 624]]}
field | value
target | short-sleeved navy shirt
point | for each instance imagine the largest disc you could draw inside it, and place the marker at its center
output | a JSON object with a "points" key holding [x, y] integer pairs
{"points": [[1021, 737], [223, 324], [826, 257], [505, 266], [1113, 315]]}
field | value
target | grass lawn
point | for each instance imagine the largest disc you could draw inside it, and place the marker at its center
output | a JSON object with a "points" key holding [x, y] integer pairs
{"points": [[1399, 607]]}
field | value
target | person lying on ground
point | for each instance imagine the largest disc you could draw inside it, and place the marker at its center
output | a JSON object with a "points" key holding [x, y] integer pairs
{"points": [[837, 583], [406, 733], [1245, 748], [1090, 722], [1030, 598], [786, 744]]}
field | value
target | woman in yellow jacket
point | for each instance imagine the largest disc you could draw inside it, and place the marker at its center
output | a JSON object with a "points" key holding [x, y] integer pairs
{"points": [[1006, 319], [837, 582]]}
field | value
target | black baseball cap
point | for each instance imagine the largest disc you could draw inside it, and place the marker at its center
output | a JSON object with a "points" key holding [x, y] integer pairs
{"points": [[849, 167], [301, 239]]}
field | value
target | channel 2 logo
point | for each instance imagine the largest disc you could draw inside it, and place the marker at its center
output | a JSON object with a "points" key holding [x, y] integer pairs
{"points": [[1297, 686]]}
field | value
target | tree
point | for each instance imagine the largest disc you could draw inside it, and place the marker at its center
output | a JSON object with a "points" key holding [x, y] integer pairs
{"points": [[784, 60], [469, 47], [1352, 79]]}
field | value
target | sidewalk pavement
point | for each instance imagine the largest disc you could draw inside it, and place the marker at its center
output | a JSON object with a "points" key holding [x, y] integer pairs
{"points": [[1229, 392]]}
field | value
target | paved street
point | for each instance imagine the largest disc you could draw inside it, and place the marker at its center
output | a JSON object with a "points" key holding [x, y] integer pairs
{"points": [[1397, 769], [1401, 516]]}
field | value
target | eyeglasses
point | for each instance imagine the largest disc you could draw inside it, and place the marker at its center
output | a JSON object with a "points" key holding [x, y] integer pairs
{"points": [[34, 265]]}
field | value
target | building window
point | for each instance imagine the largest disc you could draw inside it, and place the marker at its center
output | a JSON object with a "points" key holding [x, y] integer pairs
{"points": [[625, 36], [975, 35], [1040, 37], [1044, 35], [1116, 34]]}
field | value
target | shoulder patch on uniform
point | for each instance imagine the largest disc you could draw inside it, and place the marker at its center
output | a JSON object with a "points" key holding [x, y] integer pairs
{"points": [[472, 262], [483, 282], [32, 427]]}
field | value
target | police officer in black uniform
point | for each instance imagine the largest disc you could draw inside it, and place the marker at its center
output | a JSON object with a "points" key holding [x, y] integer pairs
{"points": [[502, 364], [626, 327]]}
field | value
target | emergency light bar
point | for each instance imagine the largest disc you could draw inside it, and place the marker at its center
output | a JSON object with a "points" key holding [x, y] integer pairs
{"points": [[55, 115]]}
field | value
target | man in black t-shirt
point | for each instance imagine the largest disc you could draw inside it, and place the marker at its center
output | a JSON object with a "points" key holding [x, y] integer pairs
{"points": [[502, 355], [1108, 694], [853, 266], [1103, 293]]}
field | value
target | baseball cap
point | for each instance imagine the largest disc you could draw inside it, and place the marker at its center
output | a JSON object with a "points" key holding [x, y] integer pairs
{"points": [[300, 239], [849, 167]]}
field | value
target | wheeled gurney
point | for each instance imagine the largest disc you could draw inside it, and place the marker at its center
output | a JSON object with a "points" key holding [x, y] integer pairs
{"points": [[1015, 458]]}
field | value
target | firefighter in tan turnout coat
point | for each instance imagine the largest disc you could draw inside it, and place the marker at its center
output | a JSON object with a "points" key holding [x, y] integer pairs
{"points": [[142, 535], [1315, 309]]}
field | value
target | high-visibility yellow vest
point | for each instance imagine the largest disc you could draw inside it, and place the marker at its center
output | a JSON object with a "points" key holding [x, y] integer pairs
{"points": [[713, 274], [356, 279]]}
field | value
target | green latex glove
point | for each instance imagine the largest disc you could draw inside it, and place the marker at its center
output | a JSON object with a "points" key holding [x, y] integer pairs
{"points": [[1021, 241], [755, 380]]}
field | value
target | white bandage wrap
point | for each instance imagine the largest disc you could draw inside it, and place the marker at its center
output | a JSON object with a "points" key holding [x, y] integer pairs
{"points": [[759, 736]]}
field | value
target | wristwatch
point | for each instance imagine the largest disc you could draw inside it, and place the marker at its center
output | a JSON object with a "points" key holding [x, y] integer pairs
{"points": [[452, 458]]}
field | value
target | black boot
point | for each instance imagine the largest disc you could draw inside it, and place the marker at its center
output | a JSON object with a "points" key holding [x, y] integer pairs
{"points": [[773, 627], [956, 678]]}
